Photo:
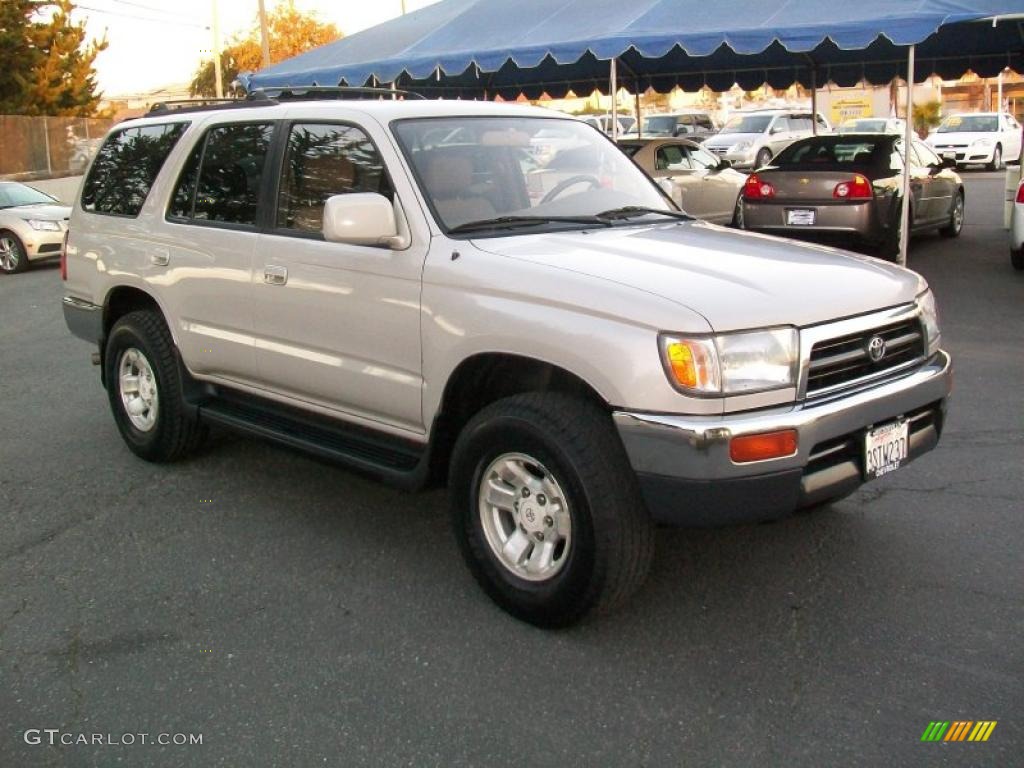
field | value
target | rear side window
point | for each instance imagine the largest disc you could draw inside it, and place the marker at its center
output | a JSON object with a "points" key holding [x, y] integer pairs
{"points": [[223, 176], [126, 166]]}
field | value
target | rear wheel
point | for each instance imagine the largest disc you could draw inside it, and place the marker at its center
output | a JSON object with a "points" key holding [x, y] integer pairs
{"points": [[997, 159], [763, 157], [12, 253], [144, 387], [547, 510], [956, 218]]}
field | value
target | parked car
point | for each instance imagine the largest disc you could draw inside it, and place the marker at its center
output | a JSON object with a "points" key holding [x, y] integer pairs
{"points": [[982, 138], [691, 124], [1017, 230], [603, 123], [851, 186], [338, 277], [701, 184], [32, 226], [752, 139], [892, 125]]}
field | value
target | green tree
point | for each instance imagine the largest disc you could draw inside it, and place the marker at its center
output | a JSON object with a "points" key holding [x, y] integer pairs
{"points": [[291, 32], [926, 117], [46, 63]]}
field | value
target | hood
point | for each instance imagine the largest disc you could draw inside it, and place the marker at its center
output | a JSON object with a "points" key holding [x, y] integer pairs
{"points": [[729, 139], [736, 280], [46, 212]]}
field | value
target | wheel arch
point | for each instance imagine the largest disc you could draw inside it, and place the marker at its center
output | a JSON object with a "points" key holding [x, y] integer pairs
{"points": [[120, 301]]}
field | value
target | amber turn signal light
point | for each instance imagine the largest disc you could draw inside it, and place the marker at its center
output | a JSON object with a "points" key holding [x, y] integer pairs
{"points": [[767, 445]]}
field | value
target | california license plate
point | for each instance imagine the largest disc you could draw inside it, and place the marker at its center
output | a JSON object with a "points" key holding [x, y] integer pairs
{"points": [[800, 217], [885, 448]]}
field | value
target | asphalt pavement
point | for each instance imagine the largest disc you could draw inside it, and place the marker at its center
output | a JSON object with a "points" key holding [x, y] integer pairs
{"points": [[291, 613]]}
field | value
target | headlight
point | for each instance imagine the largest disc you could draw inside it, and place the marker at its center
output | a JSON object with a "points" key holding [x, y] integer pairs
{"points": [[732, 363], [930, 320], [743, 146], [43, 225], [983, 142]]}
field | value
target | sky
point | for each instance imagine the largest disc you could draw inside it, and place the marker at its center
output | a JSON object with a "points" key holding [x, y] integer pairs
{"points": [[155, 43]]}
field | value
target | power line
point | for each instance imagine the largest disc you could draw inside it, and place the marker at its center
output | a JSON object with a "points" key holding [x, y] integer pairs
{"points": [[127, 15], [149, 8]]}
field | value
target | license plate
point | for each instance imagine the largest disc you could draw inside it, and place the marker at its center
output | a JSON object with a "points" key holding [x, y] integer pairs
{"points": [[800, 217], [885, 448]]}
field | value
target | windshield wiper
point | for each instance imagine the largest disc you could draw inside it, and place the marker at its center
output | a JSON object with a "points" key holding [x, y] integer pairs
{"points": [[514, 222], [632, 211]]}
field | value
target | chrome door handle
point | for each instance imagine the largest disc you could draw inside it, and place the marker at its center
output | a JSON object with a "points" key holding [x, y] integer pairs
{"points": [[160, 257], [275, 275]]}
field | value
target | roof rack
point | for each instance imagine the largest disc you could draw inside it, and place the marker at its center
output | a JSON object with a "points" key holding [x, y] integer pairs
{"points": [[313, 92], [262, 97]]}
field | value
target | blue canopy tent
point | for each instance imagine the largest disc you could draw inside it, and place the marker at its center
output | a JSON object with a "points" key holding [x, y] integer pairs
{"points": [[488, 48]]}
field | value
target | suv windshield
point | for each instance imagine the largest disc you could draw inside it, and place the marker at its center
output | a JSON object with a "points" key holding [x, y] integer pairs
{"points": [[747, 124], [660, 125], [547, 170], [13, 194], [969, 123]]}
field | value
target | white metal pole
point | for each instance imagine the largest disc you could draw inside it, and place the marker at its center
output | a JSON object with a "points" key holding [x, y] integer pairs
{"points": [[999, 91], [908, 138], [814, 100], [217, 74], [614, 88], [264, 35]]}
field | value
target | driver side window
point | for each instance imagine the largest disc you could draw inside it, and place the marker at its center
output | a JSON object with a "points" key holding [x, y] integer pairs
{"points": [[672, 157]]}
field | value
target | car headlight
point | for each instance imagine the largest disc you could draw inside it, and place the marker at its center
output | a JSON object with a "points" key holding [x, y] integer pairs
{"points": [[732, 363], [742, 146], [983, 142], [43, 225], [930, 320]]}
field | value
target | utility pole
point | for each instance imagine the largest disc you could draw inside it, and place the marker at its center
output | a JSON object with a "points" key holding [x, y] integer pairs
{"points": [[403, 7], [265, 35], [217, 74]]}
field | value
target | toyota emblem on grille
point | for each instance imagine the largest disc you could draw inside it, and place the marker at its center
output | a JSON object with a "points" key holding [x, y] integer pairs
{"points": [[876, 348]]}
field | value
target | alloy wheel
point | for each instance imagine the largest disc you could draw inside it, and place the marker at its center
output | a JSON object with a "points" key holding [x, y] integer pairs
{"points": [[10, 254], [137, 386]]}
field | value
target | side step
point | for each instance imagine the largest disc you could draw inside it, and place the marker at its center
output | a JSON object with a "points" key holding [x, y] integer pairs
{"points": [[399, 462]]}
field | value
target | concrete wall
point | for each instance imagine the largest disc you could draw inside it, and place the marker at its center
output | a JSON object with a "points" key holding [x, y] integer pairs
{"points": [[65, 189]]}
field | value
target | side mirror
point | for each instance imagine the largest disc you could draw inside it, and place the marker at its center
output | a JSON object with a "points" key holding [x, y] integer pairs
{"points": [[360, 218]]}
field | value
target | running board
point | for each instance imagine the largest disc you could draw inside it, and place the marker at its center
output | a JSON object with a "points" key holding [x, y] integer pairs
{"points": [[398, 462]]}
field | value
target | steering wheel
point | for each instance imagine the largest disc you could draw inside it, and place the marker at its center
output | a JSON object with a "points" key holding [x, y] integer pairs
{"points": [[561, 186]]}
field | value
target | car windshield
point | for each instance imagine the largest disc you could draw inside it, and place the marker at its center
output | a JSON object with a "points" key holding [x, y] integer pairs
{"points": [[14, 194], [863, 126], [660, 125], [747, 124], [969, 124], [829, 153], [574, 173]]}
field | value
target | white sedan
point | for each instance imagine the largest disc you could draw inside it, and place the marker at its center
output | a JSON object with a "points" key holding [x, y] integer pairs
{"points": [[702, 184], [979, 138]]}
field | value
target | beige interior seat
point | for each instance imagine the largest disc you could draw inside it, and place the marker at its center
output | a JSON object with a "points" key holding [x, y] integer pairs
{"points": [[449, 181]]}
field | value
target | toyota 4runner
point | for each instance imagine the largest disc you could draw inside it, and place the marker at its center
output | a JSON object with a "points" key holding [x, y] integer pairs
{"points": [[382, 283]]}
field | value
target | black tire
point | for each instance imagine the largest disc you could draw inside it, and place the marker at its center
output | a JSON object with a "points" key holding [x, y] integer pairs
{"points": [[737, 214], [889, 246], [612, 533], [1017, 260], [16, 260], [997, 159], [956, 222], [175, 433], [763, 158]]}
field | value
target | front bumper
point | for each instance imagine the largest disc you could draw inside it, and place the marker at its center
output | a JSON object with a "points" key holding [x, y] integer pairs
{"points": [[42, 245], [688, 478]]}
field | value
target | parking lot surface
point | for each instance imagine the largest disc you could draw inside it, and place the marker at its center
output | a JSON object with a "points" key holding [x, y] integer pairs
{"points": [[295, 614]]}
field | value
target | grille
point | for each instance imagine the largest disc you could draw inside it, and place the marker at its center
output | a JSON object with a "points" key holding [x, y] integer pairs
{"points": [[844, 361]]}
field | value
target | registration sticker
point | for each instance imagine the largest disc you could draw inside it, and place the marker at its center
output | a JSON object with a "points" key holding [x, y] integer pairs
{"points": [[885, 448], [800, 217]]}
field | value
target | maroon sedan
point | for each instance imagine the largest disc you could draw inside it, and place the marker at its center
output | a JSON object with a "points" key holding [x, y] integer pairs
{"points": [[848, 189]]}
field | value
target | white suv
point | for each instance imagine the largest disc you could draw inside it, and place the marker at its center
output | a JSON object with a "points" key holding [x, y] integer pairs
{"points": [[373, 282]]}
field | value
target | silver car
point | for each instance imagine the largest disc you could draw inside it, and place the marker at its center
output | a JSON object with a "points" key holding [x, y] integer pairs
{"points": [[752, 139], [32, 226], [699, 183]]}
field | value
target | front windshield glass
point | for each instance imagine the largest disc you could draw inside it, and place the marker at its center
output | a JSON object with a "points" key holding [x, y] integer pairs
{"points": [[496, 167], [969, 124], [12, 195], [747, 124]]}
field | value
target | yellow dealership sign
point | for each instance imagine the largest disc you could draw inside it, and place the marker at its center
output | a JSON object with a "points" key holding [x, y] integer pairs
{"points": [[842, 110]]}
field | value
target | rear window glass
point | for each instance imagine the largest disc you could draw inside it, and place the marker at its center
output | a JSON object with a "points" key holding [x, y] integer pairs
{"points": [[829, 153], [126, 166]]}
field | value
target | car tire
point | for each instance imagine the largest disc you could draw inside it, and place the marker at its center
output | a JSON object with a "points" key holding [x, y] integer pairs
{"points": [[13, 258], [1017, 260], [599, 535], [763, 158], [737, 214], [889, 247], [144, 386], [997, 159], [956, 218]]}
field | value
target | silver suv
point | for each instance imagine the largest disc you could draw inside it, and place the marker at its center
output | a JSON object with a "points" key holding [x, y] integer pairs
{"points": [[382, 283], [751, 139]]}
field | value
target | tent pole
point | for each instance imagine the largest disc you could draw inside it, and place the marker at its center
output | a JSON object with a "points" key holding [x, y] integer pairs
{"points": [[907, 141], [636, 101], [614, 88], [814, 99]]}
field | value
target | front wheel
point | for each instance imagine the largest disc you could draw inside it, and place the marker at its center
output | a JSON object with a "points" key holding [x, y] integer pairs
{"points": [[547, 510], [763, 158], [956, 218], [13, 258], [997, 159], [144, 387]]}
